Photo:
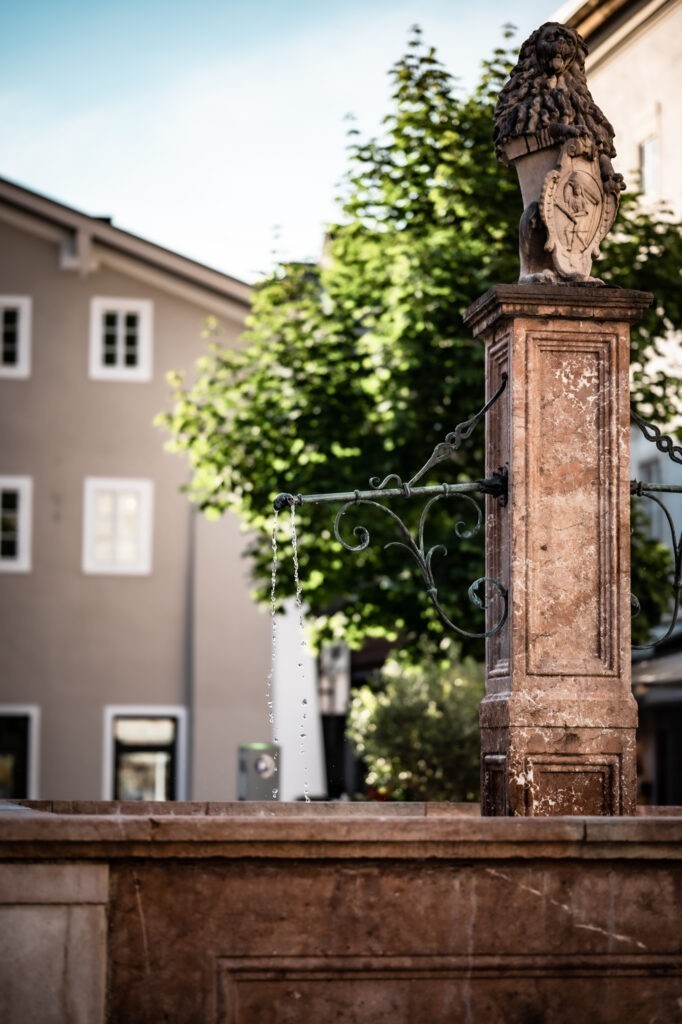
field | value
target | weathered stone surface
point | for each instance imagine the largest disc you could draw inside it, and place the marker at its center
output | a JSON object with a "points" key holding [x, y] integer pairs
{"points": [[53, 942], [354, 914], [558, 720]]}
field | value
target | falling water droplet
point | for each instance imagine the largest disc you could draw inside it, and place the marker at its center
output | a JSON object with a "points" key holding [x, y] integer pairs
{"points": [[273, 645], [303, 644]]}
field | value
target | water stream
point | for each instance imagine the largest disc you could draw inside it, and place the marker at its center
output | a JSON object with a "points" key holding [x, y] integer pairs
{"points": [[273, 651], [269, 695], [302, 647]]}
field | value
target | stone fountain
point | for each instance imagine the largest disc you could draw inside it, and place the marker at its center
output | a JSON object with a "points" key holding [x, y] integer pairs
{"points": [[559, 904]]}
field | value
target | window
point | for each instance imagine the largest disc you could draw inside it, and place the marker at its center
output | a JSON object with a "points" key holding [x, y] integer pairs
{"points": [[15, 343], [19, 729], [15, 523], [120, 339], [145, 752], [649, 167], [117, 538], [649, 472], [333, 683]]}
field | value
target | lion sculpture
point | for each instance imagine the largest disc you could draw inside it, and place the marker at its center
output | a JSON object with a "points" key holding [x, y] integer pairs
{"points": [[550, 128]]}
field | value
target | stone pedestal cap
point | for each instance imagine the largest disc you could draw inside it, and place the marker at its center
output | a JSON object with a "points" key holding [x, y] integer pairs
{"points": [[571, 302]]}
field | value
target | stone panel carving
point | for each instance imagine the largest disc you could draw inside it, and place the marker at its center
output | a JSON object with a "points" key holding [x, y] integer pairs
{"points": [[407, 989], [53, 942], [571, 558], [572, 784]]}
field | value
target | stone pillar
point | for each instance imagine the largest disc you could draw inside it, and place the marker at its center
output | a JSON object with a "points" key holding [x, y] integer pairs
{"points": [[558, 720]]}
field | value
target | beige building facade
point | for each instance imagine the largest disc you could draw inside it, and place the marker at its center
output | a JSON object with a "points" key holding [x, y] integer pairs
{"points": [[635, 73], [133, 659]]}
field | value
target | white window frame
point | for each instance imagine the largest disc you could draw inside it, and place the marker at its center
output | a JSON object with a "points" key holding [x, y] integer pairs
{"points": [[22, 369], [145, 491], [32, 711], [113, 711], [99, 305], [24, 485], [649, 153]]}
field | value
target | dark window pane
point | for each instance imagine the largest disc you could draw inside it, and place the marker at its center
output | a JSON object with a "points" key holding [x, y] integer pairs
{"points": [[9, 524], [10, 352], [131, 339], [145, 754], [10, 337], [109, 339], [14, 731]]}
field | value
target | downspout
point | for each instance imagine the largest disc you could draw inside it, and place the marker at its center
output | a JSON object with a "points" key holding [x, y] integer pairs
{"points": [[189, 647]]}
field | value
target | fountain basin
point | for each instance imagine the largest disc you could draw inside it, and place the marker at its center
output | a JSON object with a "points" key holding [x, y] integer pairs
{"points": [[338, 912]]}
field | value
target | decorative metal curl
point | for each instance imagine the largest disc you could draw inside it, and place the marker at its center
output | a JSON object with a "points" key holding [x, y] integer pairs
{"points": [[666, 446], [393, 486], [644, 491], [423, 558], [445, 449]]}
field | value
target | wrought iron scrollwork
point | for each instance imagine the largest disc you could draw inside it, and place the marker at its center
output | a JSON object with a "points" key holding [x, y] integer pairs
{"points": [[663, 442], [417, 550], [638, 489], [644, 491], [393, 486], [447, 448]]}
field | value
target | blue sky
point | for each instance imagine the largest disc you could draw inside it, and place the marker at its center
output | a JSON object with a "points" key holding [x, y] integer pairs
{"points": [[215, 127]]}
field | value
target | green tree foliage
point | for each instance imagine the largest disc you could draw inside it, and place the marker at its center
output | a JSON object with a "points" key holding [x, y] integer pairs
{"points": [[416, 728], [359, 367]]}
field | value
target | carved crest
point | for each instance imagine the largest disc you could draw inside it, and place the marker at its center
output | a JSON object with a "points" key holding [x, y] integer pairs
{"points": [[550, 128], [578, 213]]}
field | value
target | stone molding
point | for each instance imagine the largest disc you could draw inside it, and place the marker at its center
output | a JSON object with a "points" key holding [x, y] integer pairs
{"points": [[329, 830], [584, 302]]}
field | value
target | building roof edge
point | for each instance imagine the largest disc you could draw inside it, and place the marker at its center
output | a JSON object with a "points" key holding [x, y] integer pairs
{"points": [[105, 234]]}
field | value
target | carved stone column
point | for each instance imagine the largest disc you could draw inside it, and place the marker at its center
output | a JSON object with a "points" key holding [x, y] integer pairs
{"points": [[558, 720]]}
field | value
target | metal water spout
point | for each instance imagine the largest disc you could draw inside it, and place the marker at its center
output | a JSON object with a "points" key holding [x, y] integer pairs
{"points": [[485, 593]]}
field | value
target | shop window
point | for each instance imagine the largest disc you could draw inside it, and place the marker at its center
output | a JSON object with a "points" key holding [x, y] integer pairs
{"points": [[18, 751], [145, 752]]}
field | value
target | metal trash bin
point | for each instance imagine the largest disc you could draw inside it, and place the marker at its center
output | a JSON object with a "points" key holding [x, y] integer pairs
{"points": [[259, 768]]}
